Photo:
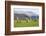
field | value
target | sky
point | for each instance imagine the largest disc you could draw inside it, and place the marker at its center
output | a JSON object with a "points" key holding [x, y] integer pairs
{"points": [[26, 10]]}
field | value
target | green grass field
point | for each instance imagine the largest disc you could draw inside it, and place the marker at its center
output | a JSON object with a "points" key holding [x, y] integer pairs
{"points": [[26, 23]]}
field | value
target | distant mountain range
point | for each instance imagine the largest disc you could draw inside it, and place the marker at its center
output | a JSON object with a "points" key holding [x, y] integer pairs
{"points": [[25, 15]]}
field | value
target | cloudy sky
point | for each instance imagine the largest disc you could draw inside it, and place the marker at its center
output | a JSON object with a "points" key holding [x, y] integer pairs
{"points": [[26, 10]]}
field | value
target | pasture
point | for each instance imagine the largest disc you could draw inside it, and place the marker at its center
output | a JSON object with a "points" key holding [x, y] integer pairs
{"points": [[26, 23]]}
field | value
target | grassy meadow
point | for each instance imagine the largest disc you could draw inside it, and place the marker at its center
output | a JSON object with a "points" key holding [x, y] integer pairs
{"points": [[26, 23]]}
